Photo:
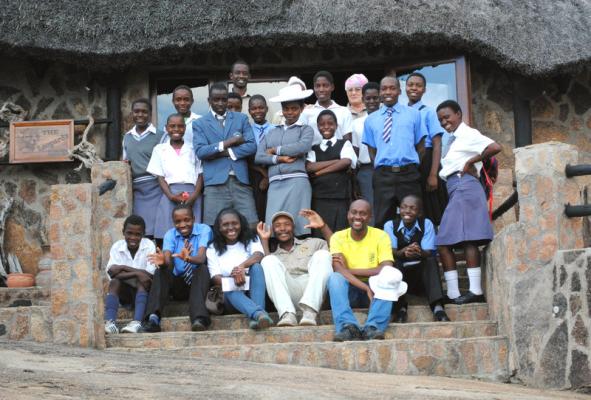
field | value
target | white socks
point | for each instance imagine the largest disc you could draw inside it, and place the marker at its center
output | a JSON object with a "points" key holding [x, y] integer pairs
{"points": [[474, 277], [451, 278]]}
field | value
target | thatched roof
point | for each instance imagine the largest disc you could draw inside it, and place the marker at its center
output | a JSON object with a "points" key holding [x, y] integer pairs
{"points": [[531, 36]]}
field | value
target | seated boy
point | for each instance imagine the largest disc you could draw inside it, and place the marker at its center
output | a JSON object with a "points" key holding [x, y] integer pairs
{"points": [[413, 246], [130, 273], [181, 271], [362, 254]]}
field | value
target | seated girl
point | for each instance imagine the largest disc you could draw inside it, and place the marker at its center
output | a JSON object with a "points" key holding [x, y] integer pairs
{"points": [[465, 222], [233, 259]]}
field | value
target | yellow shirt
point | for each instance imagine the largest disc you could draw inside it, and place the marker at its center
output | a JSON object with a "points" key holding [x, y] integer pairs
{"points": [[367, 253]]}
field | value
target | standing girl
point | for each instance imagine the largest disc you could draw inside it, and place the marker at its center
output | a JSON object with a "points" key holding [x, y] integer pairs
{"points": [[465, 222], [179, 175], [233, 255]]}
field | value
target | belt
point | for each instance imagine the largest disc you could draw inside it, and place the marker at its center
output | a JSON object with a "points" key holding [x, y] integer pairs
{"points": [[366, 165], [402, 168], [452, 174]]}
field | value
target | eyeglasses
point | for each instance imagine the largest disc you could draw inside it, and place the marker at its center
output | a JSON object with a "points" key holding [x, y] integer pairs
{"points": [[354, 90]]}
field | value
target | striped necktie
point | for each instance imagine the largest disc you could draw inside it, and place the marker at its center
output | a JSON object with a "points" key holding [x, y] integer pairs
{"points": [[188, 273], [261, 132], [388, 125]]}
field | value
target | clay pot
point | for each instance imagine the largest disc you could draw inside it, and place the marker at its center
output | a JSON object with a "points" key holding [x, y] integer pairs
{"points": [[20, 280]]}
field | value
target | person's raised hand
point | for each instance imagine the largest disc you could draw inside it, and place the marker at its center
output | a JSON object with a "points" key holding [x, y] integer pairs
{"points": [[263, 231], [156, 258], [315, 221]]}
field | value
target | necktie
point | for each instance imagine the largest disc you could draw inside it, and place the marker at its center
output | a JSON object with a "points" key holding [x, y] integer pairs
{"points": [[188, 273], [408, 233], [447, 145], [261, 132], [388, 125], [328, 145], [221, 119]]}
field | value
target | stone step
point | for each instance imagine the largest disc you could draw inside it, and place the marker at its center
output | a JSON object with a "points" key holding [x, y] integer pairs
{"points": [[473, 357], [299, 334], [418, 313], [22, 297], [26, 323]]}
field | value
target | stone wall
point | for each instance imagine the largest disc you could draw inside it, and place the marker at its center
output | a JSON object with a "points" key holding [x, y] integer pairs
{"points": [[47, 91], [530, 286]]}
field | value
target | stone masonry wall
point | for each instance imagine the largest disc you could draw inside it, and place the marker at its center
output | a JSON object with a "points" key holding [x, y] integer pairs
{"points": [[529, 286], [46, 91]]}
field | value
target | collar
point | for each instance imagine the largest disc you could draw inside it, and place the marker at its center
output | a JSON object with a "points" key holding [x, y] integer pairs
{"points": [[333, 104], [333, 140], [195, 232], [296, 242], [417, 105], [462, 127], [150, 129], [383, 108], [125, 250], [401, 226], [356, 112], [186, 147], [218, 117], [192, 117], [264, 126], [297, 123]]}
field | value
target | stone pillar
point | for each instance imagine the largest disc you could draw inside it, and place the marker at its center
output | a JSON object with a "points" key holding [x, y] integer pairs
{"points": [[524, 286], [112, 206], [76, 282]]}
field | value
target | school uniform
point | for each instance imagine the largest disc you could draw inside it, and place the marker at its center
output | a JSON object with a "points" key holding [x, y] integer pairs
{"points": [[331, 193], [180, 170], [421, 275], [260, 196], [364, 173], [225, 178], [137, 149], [396, 165], [289, 187], [188, 136], [433, 202], [222, 265], [184, 280], [344, 119], [466, 215]]}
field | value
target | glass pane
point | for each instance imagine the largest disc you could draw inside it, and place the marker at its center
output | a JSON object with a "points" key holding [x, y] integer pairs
{"points": [[268, 89], [441, 84]]}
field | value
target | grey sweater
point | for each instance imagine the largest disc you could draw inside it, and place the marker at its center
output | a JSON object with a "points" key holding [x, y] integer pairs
{"points": [[295, 141]]}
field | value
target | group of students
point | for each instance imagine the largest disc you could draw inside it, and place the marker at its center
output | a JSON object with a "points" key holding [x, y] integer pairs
{"points": [[250, 207]]}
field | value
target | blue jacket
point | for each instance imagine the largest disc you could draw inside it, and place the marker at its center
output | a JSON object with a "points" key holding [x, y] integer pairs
{"points": [[208, 133]]}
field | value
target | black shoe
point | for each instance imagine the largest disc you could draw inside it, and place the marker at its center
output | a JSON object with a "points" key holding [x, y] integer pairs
{"points": [[441, 316], [198, 325], [372, 333], [151, 327], [401, 316], [349, 332], [469, 298]]}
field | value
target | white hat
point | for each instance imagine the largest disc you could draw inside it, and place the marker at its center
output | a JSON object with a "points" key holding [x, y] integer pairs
{"points": [[388, 284], [291, 93], [294, 80]]}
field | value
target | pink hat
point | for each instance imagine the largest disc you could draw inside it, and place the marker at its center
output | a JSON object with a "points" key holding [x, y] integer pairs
{"points": [[355, 80]]}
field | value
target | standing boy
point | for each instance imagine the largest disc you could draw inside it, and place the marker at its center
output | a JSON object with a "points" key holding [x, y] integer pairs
{"points": [[181, 272], [240, 75], [234, 102], [130, 275], [361, 255], [394, 136], [182, 99], [138, 145], [413, 246], [257, 109], [371, 99], [223, 141], [323, 88], [433, 188]]}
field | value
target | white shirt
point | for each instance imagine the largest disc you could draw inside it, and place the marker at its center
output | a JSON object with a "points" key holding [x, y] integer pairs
{"points": [[357, 137], [120, 255], [346, 152], [235, 254], [138, 136], [469, 142], [175, 168], [188, 136], [344, 120]]}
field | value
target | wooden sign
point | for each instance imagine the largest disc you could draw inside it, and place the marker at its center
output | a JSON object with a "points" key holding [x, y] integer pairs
{"points": [[41, 141]]}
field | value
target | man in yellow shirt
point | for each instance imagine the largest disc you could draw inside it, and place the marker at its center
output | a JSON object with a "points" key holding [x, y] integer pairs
{"points": [[359, 252]]}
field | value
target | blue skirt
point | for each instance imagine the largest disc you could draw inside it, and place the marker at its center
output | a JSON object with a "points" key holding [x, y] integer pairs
{"points": [[465, 218], [146, 196], [164, 211]]}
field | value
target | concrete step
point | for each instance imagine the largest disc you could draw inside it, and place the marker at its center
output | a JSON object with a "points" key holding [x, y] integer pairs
{"points": [[299, 334], [22, 297], [26, 323], [473, 357], [177, 312]]}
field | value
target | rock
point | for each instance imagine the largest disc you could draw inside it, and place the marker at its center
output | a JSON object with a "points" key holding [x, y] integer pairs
{"points": [[580, 332], [563, 114], [552, 369], [27, 191], [549, 131], [580, 371], [580, 96], [542, 108], [559, 305], [575, 285]]}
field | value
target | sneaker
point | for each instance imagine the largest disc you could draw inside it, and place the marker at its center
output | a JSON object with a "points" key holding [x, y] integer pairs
{"points": [[288, 319], [263, 321], [110, 327], [308, 318], [132, 327], [372, 333], [349, 332]]}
